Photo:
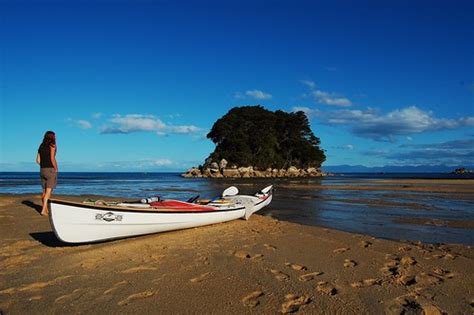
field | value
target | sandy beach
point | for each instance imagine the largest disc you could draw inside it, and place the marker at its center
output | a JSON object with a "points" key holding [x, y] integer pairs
{"points": [[258, 266]]}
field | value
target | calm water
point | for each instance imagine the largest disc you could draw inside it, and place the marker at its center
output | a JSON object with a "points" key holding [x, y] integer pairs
{"points": [[376, 212]]}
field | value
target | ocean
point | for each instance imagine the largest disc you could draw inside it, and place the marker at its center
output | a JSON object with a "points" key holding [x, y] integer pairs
{"points": [[435, 217]]}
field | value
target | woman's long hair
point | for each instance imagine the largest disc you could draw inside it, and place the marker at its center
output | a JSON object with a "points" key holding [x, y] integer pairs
{"points": [[49, 139]]}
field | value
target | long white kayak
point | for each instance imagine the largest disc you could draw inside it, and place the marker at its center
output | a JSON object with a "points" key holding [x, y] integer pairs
{"points": [[75, 222]]}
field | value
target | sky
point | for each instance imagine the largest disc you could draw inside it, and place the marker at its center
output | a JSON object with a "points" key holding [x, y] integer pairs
{"points": [[137, 85]]}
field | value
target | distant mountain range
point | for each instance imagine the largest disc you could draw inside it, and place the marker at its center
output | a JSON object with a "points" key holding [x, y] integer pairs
{"points": [[393, 169]]}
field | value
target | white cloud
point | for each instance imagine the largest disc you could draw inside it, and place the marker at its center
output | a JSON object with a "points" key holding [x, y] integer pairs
{"points": [[310, 84], [162, 162], [259, 95], [184, 129], [238, 95], [133, 123], [344, 147], [330, 99], [96, 115], [83, 124], [144, 123], [255, 94], [323, 97], [400, 122]]}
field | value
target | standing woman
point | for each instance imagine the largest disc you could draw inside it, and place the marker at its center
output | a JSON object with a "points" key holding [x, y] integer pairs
{"points": [[46, 158]]}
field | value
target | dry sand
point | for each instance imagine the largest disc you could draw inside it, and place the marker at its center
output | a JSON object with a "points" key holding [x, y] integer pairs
{"points": [[260, 266]]}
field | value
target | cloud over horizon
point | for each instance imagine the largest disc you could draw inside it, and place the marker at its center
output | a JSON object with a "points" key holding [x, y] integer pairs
{"points": [[130, 123], [371, 124], [451, 153]]}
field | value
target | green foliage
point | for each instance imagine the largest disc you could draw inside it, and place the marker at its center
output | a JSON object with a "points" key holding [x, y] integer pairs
{"points": [[253, 135]]}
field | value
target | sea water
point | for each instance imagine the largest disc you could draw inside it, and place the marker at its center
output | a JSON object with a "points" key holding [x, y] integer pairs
{"points": [[380, 213]]}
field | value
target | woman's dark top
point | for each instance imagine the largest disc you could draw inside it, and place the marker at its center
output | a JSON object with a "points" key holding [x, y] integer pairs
{"points": [[45, 156]]}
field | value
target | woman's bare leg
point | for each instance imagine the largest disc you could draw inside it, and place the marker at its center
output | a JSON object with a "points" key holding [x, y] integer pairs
{"points": [[42, 196], [47, 194]]}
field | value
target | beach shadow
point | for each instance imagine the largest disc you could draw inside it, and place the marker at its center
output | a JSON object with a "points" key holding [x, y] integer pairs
{"points": [[33, 205], [49, 239]]}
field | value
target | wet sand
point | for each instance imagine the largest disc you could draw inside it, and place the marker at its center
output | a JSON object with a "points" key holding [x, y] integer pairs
{"points": [[411, 185], [258, 266]]}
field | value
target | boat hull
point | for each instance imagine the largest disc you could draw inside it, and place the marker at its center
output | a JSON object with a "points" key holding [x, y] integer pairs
{"points": [[84, 224], [74, 222]]}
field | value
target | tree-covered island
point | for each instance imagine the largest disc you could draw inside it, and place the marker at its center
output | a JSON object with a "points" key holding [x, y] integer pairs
{"points": [[252, 141]]}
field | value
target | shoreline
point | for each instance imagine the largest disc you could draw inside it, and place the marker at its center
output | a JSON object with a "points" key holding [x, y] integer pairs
{"points": [[378, 197], [258, 266]]}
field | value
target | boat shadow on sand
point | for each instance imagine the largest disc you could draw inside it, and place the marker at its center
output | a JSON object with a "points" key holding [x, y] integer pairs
{"points": [[49, 239]]}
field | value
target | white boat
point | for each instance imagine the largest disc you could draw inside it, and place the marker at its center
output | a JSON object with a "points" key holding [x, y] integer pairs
{"points": [[75, 222]]}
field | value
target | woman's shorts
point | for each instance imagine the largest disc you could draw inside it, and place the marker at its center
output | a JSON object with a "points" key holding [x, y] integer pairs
{"points": [[49, 177]]}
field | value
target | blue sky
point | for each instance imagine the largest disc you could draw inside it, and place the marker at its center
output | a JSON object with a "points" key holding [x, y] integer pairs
{"points": [[136, 85]]}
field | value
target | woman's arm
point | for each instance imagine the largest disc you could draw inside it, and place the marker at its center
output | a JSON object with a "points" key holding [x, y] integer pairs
{"points": [[38, 158], [53, 158]]}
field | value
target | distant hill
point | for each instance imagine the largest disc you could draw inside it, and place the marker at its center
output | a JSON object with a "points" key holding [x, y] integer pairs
{"points": [[392, 169]]}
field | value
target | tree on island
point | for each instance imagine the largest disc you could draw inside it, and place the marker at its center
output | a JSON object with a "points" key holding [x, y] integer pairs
{"points": [[253, 135]]}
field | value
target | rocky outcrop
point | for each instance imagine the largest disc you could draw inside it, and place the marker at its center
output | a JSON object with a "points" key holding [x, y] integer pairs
{"points": [[218, 170], [461, 171]]}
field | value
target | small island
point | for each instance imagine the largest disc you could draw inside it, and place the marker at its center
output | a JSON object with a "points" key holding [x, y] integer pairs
{"points": [[252, 141], [462, 170]]}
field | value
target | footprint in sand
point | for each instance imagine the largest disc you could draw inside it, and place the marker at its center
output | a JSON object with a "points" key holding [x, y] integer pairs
{"points": [[392, 257], [326, 288], [296, 267], [372, 282], [91, 263], [200, 278], [409, 305], [341, 250], [365, 244], [366, 283], [136, 296], [245, 255], [404, 249], [270, 247], [68, 297], [280, 276], [426, 279], [251, 300], [8, 291], [139, 269], [40, 285], [406, 279], [18, 247], [294, 302], [348, 263], [15, 261], [443, 273], [310, 276], [449, 256], [403, 305], [390, 268], [116, 287], [408, 261]]}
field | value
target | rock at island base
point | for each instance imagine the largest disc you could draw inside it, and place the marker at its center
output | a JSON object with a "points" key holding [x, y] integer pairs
{"points": [[250, 172]]}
